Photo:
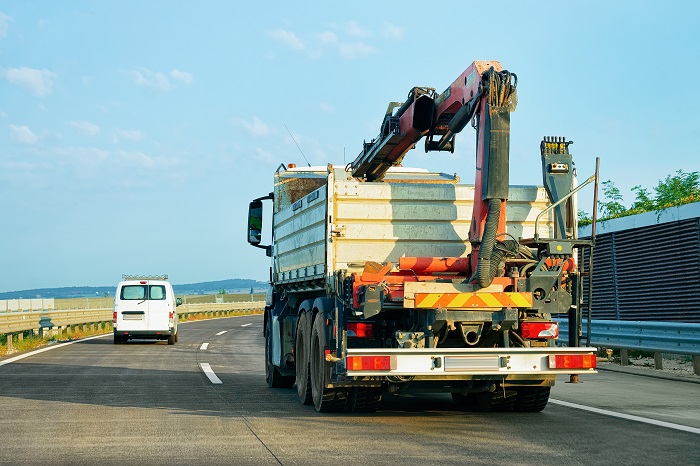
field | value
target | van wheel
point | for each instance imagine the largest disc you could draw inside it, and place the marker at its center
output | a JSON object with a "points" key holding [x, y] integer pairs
{"points": [[171, 340], [117, 339]]}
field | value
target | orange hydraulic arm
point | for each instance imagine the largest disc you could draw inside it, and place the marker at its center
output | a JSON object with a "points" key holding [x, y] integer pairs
{"points": [[484, 93]]}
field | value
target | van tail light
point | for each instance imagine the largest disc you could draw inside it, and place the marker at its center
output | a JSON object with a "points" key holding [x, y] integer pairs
{"points": [[114, 317], [370, 363], [532, 330], [170, 316], [572, 361], [360, 329]]}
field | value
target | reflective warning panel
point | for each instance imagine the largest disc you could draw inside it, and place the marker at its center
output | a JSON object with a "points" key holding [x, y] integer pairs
{"points": [[473, 300]]}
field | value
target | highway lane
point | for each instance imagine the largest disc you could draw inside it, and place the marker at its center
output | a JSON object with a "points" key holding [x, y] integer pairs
{"points": [[93, 402]]}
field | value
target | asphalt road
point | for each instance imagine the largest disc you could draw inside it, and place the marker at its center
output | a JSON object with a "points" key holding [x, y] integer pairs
{"points": [[93, 402]]}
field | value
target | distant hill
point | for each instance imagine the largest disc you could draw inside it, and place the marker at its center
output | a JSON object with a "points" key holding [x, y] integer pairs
{"points": [[232, 286]]}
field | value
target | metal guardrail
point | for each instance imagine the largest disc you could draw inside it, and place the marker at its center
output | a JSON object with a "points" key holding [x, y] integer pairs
{"points": [[661, 337], [13, 322]]}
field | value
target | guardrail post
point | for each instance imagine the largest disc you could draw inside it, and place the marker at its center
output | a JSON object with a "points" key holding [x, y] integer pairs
{"points": [[658, 361], [624, 357], [10, 349], [696, 364]]}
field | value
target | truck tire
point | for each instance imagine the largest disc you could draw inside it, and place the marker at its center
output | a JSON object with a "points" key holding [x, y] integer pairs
{"points": [[171, 340], [117, 339], [273, 377], [364, 399], [326, 400], [302, 345], [531, 399]]}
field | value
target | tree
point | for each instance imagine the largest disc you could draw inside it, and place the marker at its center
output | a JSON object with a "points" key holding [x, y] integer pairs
{"points": [[675, 190]]}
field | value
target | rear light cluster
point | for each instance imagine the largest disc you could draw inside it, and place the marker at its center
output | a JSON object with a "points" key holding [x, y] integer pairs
{"points": [[114, 317], [360, 330], [533, 330], [572, 361], [369, 363]]}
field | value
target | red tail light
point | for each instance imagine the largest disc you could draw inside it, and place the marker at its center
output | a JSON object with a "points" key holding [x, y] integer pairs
{"points": [[170, 316], [360, 330], [530, 330], [114, 317], [369, 363], [572, 361]]}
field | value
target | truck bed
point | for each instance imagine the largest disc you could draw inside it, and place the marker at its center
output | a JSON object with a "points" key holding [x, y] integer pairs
{"points": [[346, 222]]}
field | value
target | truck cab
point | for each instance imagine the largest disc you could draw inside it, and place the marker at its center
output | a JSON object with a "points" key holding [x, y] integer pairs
{"points": [[144, 308]]}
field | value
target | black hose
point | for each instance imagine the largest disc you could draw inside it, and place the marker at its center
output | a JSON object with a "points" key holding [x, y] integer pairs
{"points": [[488, 241]]}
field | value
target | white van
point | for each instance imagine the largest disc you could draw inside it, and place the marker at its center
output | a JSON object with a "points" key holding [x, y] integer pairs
{"points": [[144, 307]]}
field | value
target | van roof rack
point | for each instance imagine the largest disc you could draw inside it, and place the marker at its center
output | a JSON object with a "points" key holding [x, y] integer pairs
{"points": [[145, 277]]}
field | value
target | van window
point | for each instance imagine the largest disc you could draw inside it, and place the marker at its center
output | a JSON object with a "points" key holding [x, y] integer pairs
{"points": [[133, 292], [157, 292]]}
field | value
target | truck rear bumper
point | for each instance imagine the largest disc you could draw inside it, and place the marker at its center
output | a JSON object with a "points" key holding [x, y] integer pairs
{"points": [[453, 363]]}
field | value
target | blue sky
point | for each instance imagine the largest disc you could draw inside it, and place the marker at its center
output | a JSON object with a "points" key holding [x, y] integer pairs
{"points": [[133, 134]]}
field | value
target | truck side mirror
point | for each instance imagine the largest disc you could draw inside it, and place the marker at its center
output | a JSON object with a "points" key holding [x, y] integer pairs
{"points": [[178, 302], [255, 219], [255, 224]]}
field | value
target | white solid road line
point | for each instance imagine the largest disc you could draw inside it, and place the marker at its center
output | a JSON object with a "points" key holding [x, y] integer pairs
{"points": [[52, 347], [222, 332], [245, 325], [204, 346], [206, 368], [629, 417]]}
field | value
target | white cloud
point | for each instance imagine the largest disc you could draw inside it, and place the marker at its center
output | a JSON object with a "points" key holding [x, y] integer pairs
{"points": [[256, 127], [23, 134], [4, 24], [326, 107], [182, 76], [392, 31], [85, 127], [356, 49], [327, 37], [330, 41], [354, 29], [264, 156], [136, 158], [158, 80], [38, 82], [287, 37], [151, 79], [129, 135]]}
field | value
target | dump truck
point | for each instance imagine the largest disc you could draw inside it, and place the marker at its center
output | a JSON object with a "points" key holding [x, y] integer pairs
{"points": [[388, 280]]}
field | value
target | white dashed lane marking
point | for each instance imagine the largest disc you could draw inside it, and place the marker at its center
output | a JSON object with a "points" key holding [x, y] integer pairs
{"points": [[245, 325], [222, 332], [204, 346], [206, 368]]}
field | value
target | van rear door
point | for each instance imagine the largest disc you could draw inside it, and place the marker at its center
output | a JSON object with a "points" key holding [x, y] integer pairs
{"points": [[133, 307], [159, 306]]}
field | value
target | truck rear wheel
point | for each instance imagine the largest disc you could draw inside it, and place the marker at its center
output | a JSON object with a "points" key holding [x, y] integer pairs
{"points": [[273, 377], [326, 400], [301, 356], [171, 340], [531, 399]]}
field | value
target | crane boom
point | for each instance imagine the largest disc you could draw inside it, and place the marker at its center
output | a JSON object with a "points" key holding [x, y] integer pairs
{"points": [[484, 92]]}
